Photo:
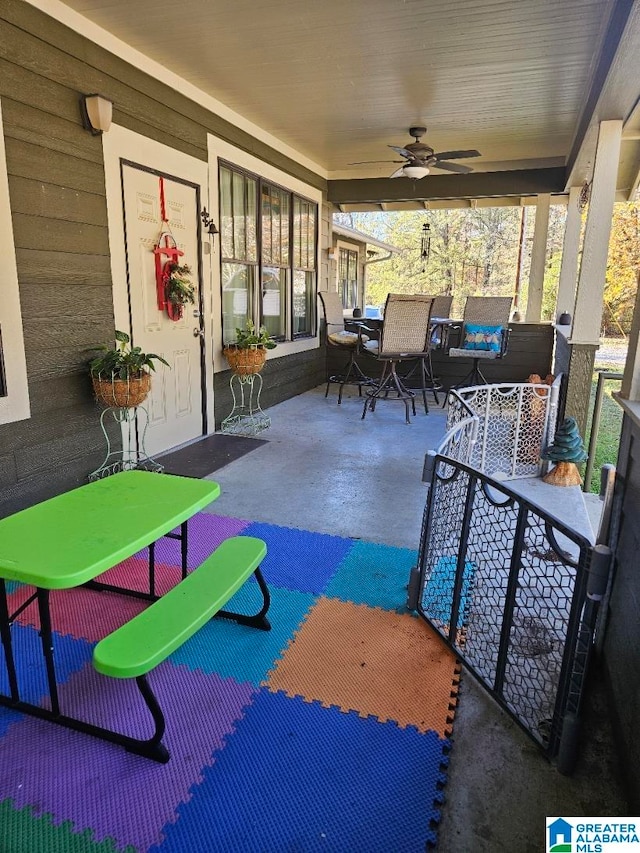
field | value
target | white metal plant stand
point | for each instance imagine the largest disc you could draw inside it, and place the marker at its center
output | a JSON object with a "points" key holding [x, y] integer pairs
{"points": [[246, 418], [133, 421]]}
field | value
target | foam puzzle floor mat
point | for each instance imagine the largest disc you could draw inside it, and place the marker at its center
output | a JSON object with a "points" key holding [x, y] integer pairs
{"points": [[328, 733]]}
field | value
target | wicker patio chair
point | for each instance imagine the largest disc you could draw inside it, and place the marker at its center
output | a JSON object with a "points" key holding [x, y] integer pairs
{"points": [[484, 335], [349, 340], [440, 310], [404, 337]]}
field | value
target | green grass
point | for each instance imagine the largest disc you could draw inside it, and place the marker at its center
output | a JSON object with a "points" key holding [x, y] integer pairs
{"points": [[610, 424]]}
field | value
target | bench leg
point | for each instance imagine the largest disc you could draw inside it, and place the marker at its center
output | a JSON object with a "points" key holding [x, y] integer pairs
{"points": [[151, 748], [260, 619]]}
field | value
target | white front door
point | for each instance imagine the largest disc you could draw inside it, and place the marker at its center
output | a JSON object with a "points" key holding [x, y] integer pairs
{"points": [[175, 405]]}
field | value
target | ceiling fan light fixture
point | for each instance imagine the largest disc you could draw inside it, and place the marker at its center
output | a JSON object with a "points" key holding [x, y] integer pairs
{"points": [[415, 172]]}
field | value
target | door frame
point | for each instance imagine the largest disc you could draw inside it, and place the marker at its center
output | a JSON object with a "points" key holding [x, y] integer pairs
{"points": [[121, 145]]}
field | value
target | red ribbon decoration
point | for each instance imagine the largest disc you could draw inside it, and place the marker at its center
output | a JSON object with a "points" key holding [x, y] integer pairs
{"points": [[166, 247]]}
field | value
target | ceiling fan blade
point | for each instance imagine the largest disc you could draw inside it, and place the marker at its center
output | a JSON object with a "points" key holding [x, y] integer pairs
{"points": [[404, 152], [399, 173], [456, 155], [362, 162], [453, 167]]}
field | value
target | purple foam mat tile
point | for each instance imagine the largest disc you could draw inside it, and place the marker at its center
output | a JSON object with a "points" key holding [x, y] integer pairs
{"points": [[206, 532], [98, 785]]}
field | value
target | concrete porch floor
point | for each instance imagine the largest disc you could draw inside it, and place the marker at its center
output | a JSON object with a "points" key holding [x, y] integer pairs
{"points": [[325, 469]]}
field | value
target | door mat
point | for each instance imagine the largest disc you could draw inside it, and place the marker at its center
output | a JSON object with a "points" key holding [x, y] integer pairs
{"points": [[328, 733], [208, 455]]}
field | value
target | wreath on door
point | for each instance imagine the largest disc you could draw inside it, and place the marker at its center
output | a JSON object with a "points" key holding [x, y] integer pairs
{"points": [[174, 288]]}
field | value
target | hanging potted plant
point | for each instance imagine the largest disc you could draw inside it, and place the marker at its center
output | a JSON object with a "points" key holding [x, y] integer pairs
{"points": [[121, 375], [178, 290], [247, 354]]}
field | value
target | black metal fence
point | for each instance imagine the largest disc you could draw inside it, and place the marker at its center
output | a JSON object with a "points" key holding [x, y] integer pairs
{"points": [[515, 594]]}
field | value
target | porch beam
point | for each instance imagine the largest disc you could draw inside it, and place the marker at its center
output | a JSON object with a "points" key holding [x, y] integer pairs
{"points": [[614, 89], [520, 182], [570, 248], [538, 258]]}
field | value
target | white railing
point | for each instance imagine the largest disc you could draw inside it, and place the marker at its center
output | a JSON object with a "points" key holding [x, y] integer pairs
{"points": [[516, 421], [458, 442]]}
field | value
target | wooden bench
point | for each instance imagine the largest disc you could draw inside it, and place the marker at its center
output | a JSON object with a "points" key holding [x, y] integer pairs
{"points": [[139, 645]]}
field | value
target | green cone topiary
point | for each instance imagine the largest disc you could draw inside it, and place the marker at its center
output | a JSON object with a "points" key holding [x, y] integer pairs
{"points": [[567, 444], [567, 451]]}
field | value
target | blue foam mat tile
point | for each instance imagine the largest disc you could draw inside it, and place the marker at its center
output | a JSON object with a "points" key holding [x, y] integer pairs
{"points": [[299, 559], [437, 595], [374, 574], [71, 655], [296, 776], [240, 652]]}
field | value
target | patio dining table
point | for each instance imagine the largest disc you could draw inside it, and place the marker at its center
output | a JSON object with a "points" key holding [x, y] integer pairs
{"points": [[68, 540]]}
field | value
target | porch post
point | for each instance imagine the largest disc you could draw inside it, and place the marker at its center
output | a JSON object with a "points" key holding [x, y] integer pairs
{"points": [[587, 319], [538, 257], [569, 266], [631, 380]]}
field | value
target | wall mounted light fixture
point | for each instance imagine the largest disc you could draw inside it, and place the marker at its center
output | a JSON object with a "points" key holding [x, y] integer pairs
{"points": [[207, 221], [333, 253], [97, 112]]}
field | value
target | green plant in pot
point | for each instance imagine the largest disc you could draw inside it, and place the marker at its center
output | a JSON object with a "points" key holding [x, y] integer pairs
{"points": [[179, 290], [121, 375], [247, 354]]}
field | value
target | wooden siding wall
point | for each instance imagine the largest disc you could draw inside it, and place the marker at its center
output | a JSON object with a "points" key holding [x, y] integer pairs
{"points": [[530, 351], [56, 183], [622, 637]]}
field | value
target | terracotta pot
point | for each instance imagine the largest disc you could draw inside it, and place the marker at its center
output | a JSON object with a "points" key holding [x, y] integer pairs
{"points": [[245, 362], [121, 393]]}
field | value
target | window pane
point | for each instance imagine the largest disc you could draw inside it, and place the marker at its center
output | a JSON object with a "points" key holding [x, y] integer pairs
{"points": [[284, 228], [311, 237], [252, 225], [274, 288], [348, 277], [239, 214], [226, 214], [297, 225], [237, 297], [303, 293]]}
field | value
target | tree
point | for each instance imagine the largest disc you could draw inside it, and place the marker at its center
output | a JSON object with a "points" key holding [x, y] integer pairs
{"points": [[474, 251]]}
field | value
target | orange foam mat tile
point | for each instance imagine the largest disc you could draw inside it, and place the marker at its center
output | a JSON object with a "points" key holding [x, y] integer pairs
{"points": [[378, 663]]}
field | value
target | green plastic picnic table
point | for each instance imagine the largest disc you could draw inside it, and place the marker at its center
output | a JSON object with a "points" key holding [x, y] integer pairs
{"points": [[70, 539]]}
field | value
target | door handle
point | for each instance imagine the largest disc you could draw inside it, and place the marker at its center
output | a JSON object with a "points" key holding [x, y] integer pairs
{"points": [[198, 333]]}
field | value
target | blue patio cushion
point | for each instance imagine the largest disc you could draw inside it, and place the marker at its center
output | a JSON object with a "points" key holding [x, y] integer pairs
{"points": [[487, 338]]}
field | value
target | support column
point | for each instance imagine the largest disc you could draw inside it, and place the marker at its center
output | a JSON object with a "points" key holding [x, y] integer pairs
{"points": [[538, 258], [587, 318], [631, 381], [569, 267]]}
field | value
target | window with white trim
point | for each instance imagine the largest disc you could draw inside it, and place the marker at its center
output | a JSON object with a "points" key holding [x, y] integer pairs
{"points": [[14, 391], [268, 239]]}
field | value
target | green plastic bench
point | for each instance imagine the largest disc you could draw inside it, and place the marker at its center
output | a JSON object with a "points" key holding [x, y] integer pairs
{"points": [[139, 645]]}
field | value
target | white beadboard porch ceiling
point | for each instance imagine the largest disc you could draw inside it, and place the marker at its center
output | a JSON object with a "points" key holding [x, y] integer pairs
{"points": [[339, 80]]}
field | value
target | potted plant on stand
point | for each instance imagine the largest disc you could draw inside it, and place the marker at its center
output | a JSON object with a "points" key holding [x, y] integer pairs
{"points": [[179, 290], [121, 375], [247, 354]]}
